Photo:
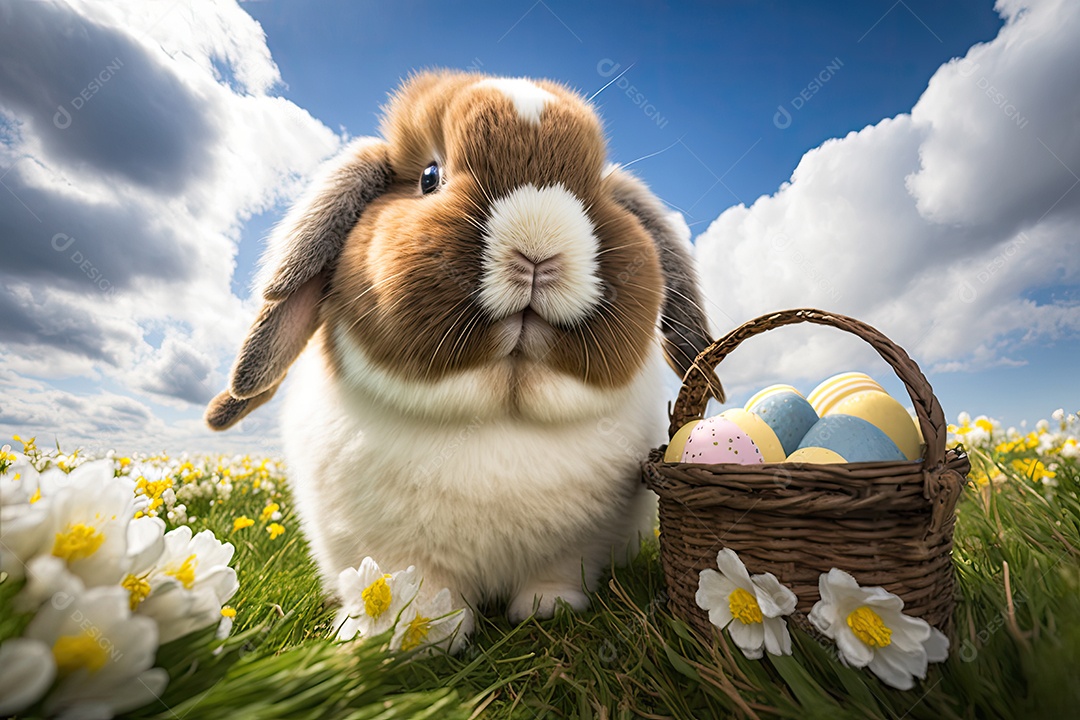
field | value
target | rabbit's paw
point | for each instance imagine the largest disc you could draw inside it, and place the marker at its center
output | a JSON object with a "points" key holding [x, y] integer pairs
{"points": [[539, 599]]}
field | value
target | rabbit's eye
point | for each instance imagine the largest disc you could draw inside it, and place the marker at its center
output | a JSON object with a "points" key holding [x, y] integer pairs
{"points": [[430, 178]]}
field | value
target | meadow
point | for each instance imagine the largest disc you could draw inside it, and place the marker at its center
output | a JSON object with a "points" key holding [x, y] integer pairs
{"points": [[1015, 650]]}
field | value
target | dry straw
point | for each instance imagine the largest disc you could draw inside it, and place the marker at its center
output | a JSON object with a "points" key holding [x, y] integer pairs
{"points": [[886, 523]]}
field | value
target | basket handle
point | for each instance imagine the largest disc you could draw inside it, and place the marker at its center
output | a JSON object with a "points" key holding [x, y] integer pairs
{"points": [[695, 392]]}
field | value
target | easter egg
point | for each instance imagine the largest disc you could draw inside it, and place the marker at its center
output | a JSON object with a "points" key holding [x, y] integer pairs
{"points": [[789, 416], [922, 440], [716, 440], [817, 455], [674, 451], [758, 431], [884, 412], [771, 390], [853, 438], [826, 395]]}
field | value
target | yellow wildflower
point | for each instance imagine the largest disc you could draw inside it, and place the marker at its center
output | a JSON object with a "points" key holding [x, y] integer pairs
{"points": [[1032, 469], [29, 446], [242, 522], [275, 529], [153, 489], [268, 511]]}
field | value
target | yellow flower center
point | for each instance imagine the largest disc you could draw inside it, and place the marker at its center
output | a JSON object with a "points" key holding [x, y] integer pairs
{"points": [[868, 627], [138, 588], [228, 612], [77, 541], [186, 572], [376, 597], [418, 629], [36, 496], [78, 651], [744, 607]]}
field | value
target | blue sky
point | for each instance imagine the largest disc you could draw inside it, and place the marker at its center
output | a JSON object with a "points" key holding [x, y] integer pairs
{"points": [[889, 160]]}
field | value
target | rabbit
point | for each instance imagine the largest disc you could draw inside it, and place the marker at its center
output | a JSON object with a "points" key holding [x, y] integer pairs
{"points": [[479, 310]]}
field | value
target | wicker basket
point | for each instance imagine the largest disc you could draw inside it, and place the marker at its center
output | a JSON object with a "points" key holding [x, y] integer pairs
{"points": [[886, 523]]}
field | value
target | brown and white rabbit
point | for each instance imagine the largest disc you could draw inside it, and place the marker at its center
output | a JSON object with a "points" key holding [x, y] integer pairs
{"points": [[484, 305]]}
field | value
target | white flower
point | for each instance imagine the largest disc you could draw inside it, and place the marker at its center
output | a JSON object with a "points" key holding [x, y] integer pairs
{"points": [[84, 522], [29, 670], [751, 608], [23, 530], [372, 599], [19, 481], [433, 624], [870, 630], [48, 575], [178, 515], [1070, 448], [102, 654], [228, 616], [187, 585], [22, 526]]}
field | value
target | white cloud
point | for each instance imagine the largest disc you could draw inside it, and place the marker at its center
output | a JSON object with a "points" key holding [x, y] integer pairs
{"points": [[102, 420], [178, 371], [135, 140], [939, 226]]}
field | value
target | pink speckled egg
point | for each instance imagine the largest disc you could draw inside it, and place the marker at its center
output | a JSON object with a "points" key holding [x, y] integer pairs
{"points": [[718, 440]]}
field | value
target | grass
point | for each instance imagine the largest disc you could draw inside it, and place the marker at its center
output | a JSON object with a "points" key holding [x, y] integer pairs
{"points": [[1016, 652]]}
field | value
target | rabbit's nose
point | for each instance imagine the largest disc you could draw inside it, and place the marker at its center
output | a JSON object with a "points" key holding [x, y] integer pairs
{"points": [[540, 250], [536, 273]]}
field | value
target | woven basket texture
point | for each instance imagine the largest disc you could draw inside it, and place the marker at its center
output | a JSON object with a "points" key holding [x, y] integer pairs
{"points": [[888, 524]]}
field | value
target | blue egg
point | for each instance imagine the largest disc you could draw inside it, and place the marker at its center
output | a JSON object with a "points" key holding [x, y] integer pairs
{"points": [[789, 415], [854, 438]]}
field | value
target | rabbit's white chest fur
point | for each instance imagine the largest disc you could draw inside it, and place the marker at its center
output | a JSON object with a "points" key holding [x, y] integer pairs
{"points": [[490, 506]]}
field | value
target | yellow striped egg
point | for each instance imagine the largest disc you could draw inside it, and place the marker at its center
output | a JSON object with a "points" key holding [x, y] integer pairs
{"points": [[825, 396], [771, 390]]}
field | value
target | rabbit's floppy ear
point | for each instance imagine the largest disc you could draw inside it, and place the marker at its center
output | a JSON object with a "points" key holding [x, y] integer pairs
{"points": [[682, 317], [224, 410], [295, 270]]}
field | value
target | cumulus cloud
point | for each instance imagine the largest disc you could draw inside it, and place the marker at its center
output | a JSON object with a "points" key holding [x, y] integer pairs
{"points": [[30, 408], [940, 227], [100, 420], [135, 140], [179, 371], [99, 100]]}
